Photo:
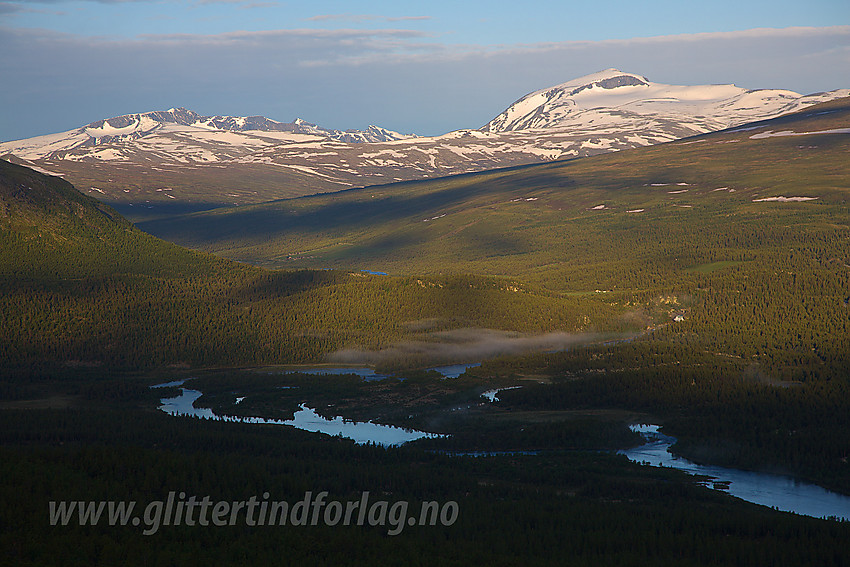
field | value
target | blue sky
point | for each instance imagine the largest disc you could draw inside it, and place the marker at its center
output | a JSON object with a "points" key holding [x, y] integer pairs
{"points": [[415, 67]]}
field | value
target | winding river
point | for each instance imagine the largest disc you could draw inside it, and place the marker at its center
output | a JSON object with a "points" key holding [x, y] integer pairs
{"points": [[775, 491]]}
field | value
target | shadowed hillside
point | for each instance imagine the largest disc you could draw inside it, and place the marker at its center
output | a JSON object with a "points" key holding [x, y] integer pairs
{"points": [[82, 286]]}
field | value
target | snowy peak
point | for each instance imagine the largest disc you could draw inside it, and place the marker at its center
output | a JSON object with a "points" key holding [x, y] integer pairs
{"points": [[610, 110], [607, 79], [145, 121], [612, 83], [183, 117], [542, 108], [610, 96], [372, 134], [132, 126], [149, 127]]}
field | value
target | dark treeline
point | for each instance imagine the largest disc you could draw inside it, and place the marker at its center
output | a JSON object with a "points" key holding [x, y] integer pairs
{"points": [[576, 508], [722, 409]]}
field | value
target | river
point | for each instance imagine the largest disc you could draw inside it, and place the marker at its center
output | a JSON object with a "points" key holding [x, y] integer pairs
{"points": [[305, 418], [775, 491]]}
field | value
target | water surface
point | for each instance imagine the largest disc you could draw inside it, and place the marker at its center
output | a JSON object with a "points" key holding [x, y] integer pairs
{"points": [[454, 370], [306, 419], [368, 374], [776, 491]]}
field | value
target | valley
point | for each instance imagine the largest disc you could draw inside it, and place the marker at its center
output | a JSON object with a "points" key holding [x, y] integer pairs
{"points": [[700, 284]]}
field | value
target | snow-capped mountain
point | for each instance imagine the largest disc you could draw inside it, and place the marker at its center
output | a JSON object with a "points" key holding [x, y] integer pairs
{"points": [[179, 156], [134, 127], [612, 100]]}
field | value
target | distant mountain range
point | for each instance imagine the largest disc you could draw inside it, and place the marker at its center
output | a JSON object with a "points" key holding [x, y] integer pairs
{"points": [[178, 156], [132, 127]]}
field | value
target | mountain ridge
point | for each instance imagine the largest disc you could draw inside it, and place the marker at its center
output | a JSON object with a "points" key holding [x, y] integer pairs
{"points": [[129, 127]]}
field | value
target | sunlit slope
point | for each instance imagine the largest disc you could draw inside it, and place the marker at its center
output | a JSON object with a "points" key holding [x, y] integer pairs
{"points": [[80, 285], [619, 220]]}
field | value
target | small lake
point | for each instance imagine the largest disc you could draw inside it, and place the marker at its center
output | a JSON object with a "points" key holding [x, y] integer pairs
{"points": [[454, 370], [775, 491], [305, 418]]}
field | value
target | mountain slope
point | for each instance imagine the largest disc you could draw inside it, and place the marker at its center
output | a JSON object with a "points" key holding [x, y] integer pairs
{"points": [[744, 232], [79, 285], [169, 162], [613, 99]]}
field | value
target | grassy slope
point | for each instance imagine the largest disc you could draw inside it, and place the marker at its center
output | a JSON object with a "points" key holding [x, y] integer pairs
{"points": [[143, 192]]}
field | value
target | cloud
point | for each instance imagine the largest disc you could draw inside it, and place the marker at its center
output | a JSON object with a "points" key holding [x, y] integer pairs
{"points": [[358, 18], [403, 79], [11, 8], [461, 346], [252, 5], [22, 8], [341, 17]]}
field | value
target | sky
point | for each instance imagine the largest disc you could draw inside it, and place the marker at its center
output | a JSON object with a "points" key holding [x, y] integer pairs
{"points": [[413, 67]]}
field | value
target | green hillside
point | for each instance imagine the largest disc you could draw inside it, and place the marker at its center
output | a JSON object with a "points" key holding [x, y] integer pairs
{"points": [[82, 286]]}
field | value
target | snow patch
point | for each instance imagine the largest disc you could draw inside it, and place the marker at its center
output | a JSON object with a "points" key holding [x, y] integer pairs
{"points": [[782, 199], [772, 134]]}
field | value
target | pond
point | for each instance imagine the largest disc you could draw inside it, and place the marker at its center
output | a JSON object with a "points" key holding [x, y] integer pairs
{"points": [[454, 370], [775, 491]]}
